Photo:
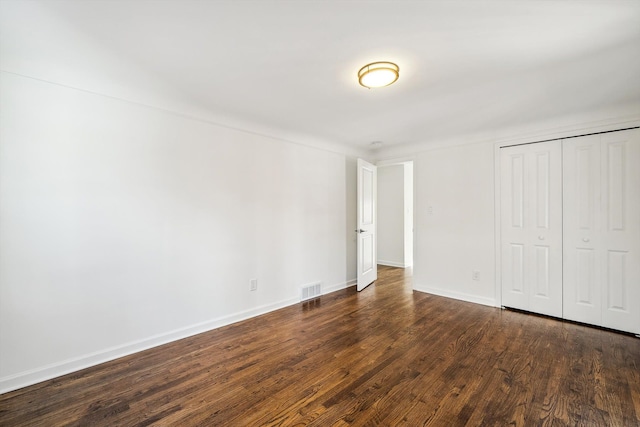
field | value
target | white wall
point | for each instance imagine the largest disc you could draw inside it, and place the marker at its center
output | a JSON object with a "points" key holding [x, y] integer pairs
{"points": [[123, 227], [391, 215], [454, 222]]}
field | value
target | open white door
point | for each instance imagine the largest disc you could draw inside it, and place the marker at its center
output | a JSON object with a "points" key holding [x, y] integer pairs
{"points": [[366, 232]]}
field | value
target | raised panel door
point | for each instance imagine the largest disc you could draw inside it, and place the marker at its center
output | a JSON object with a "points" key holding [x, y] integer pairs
{"points": [[581, 229], [514, 226], [601, 186], [620, 233], [545, 228], [367, 269], [531, 227]]}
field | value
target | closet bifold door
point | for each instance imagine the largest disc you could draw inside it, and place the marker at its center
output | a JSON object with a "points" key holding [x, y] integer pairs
{"points": [[601, 237], [531, 227], [581, 231]]}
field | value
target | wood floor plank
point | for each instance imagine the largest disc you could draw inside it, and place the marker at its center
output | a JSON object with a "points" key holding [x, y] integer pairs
{"points": [[386, 356]]}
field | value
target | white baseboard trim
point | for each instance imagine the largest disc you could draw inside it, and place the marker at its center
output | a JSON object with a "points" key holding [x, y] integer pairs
{"points": [[491, 302], [392, 264], [339, 286], [34, 376]]}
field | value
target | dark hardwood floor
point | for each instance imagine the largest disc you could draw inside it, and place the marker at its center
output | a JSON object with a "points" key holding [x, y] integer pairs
{"points": [[386, 356]]}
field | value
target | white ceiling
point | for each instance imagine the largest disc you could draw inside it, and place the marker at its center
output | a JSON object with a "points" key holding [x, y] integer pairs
{"points": [[466, 67]]}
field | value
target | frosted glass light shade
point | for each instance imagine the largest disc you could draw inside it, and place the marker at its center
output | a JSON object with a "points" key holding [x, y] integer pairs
{"points": [[378, 74]]}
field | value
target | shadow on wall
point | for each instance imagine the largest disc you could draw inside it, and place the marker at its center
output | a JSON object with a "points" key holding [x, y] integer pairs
{"points": [[351, 195]]}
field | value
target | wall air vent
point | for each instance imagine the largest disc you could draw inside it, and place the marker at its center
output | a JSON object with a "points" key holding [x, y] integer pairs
{"points": [[311, 291]]}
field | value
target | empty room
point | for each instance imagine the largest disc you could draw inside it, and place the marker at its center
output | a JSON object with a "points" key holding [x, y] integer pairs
{"points": [[319, 213]]}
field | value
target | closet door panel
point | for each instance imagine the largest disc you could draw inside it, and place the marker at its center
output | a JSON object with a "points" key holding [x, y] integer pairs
{"points": [[585, 283], [620, 165], [545, 232], [514, 219], [531, 227], [581, 210]]}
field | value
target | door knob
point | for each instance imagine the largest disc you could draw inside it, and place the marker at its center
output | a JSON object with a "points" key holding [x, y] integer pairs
{"points": [[361, 231], [540, 237], [585, 239]]}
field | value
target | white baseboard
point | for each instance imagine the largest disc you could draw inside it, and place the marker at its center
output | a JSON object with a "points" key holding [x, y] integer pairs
{"points": [[338, 287], [392, 264], [34, 376], [491, 302]]}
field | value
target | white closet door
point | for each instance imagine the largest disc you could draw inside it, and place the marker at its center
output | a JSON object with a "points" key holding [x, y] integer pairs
{"points": [[602, 229], [620, 168], [514, 206], [531, 227], [581, 231]]}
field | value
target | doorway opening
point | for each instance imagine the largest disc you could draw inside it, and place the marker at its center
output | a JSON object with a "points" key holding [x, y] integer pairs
{"points": [[395, 215]]}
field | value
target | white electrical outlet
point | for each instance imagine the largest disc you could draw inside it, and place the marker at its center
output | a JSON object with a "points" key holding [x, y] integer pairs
{"points": [[475, 275], [254, 285]]}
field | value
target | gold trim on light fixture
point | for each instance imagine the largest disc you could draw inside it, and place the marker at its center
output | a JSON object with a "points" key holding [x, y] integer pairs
{"points": [[378, 74]]}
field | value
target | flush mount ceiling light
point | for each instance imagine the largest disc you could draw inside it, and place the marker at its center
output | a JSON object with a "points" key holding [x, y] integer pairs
{"points": [[378, 74]]}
